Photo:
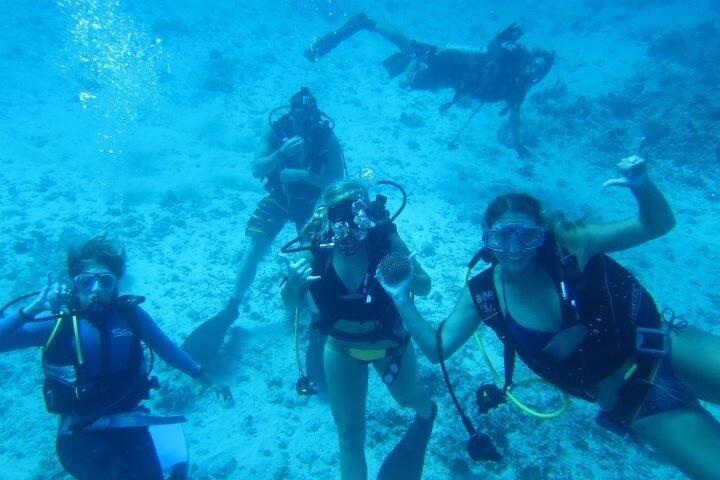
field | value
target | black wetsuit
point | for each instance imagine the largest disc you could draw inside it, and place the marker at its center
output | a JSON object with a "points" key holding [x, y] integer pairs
{"points": [[611, 303], [370, 303], [497, 75]]}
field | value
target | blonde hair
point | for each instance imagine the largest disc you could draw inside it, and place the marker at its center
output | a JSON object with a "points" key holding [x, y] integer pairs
{"points": [[334, 194]]}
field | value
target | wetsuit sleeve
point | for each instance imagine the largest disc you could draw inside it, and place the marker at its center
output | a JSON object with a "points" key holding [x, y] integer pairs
{"points": [[165, 348], [14, 334]]}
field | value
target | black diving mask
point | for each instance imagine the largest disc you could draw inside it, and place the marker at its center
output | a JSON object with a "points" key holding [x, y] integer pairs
{"points": [[350, 224]]}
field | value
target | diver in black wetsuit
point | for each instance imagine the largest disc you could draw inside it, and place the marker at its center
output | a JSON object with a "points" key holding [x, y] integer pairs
{"points": [[582, 322], [97, 372], [349, 237], [502, 72]]}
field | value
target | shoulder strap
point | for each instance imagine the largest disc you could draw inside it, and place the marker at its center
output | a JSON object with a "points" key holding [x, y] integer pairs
{"points": [[483, 296], [486, 302]]}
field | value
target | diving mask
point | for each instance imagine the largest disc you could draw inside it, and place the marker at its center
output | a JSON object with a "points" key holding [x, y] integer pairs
{"points": [[350, 225], [85, 282], [528, 237]]}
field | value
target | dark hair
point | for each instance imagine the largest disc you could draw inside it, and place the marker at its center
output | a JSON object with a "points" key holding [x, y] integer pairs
{"points": [[99, 250], [304, 99], [516, 203]]}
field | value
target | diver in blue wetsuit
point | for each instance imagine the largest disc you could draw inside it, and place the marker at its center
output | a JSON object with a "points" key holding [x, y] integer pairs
{"points": [[97, 371], [582, 322]]}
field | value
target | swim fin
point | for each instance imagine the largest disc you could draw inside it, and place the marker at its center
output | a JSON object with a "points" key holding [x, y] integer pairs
{"points": [[204, 342], [397, 63], [406, 460], [327, 43]]}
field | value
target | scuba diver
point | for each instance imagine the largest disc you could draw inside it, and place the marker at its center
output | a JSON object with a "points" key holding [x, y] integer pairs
{"points": [[504, 71], [349, 236], [98, 371], [300, 156], [582, 322]]}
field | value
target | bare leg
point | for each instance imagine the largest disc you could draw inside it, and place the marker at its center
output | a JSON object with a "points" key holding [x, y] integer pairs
{"points": [[695, 358], [514, 125], [347, 390], [393, 36], [405, 389], [257, 246], [689, 438]]}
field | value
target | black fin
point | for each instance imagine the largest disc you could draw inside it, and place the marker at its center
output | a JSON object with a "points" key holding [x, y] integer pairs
{"points": [[205, 341], [327, 43], [406, 460]]}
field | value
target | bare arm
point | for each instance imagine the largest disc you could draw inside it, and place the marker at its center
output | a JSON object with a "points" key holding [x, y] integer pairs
{"points": [[654, 219], [393, 35], [457, 328], [514, 126], [267, 158]]}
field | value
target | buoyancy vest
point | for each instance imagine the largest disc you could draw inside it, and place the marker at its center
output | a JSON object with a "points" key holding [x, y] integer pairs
{"points": [[96, 363], [369, 304], [606, 298], [316, 162]]}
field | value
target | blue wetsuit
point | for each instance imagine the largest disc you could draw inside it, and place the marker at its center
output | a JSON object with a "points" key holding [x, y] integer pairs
{"points": [[36, 334], [112, 358]]}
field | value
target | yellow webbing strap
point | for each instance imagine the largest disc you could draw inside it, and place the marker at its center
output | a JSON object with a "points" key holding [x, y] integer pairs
{"points": [[54, 333], [78, 348]]}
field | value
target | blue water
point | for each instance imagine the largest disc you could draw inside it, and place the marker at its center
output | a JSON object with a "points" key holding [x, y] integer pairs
{"points": [[140, 119]]}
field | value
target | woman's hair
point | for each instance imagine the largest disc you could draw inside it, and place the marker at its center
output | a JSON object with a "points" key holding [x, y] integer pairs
{"points": [[558, 228], [335, 194], [99, 250], [515, 203]]}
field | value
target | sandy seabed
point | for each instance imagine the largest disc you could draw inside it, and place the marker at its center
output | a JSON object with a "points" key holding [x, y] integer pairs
{"points": [[156, 149]]}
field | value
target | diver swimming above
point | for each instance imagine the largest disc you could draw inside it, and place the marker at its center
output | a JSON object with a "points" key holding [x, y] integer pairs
{"points": [[299, 156], [504, 71], [97, 356], [349, 236], [582, 322]]}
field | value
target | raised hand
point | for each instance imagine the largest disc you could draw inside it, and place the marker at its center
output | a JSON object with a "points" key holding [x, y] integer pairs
{"points": [[633, 171], [299, 272], [53, 297], [292, 147]]}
